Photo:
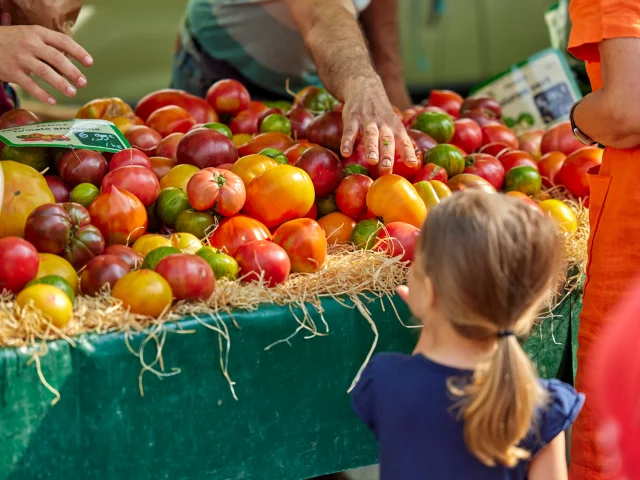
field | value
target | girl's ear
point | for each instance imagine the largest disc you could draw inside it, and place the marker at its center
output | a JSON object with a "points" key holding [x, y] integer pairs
{"points": [[429, 293], [403, 293]]}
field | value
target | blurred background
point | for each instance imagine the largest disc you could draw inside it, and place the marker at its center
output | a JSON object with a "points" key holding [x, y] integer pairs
{"points": [[452, 44]]}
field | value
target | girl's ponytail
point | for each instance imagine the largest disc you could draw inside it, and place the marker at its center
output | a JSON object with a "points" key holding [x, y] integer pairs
{"points": [[498, 407]]}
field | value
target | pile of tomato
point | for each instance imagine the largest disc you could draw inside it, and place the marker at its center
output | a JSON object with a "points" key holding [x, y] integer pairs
{"points": [[227, 187]]}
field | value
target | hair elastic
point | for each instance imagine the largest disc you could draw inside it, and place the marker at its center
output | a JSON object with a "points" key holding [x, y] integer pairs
{"points": [[505, 333]]}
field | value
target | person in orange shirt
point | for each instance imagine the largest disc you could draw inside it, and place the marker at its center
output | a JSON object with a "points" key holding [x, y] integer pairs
{"points": [[606, 35]]}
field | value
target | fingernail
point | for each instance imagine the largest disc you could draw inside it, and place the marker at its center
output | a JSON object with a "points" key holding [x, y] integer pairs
{"points": [[71, 91], [373, 156], [82, 81], [345, 149], [386, 162], [88, 60], [52, 101]]}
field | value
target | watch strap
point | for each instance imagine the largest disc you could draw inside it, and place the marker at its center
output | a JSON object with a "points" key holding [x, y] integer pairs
{"points": [[579, 134]]}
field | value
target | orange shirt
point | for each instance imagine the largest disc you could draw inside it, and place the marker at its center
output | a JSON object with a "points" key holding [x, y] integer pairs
{"points": [[597, 20]]}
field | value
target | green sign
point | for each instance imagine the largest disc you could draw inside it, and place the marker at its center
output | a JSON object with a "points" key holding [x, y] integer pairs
{"points": [[89, 134]]}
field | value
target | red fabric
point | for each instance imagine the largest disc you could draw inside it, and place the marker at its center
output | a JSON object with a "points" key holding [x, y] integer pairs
{"points": [[615, 377]]}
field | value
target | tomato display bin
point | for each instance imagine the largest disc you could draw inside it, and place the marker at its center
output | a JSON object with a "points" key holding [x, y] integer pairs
{"points": [[292, 420]]}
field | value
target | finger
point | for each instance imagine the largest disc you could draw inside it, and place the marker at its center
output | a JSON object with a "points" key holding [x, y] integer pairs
{"points": [[26, 82], [403, 293], [370, 139], [65, 44], [60, 62], [406, 148], [387, 149], [349, 137], [5, 19], [49, 75]]}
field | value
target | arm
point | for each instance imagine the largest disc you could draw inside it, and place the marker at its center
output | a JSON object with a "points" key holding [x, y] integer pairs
{"points": [[551, 462], [611, 115], [382, 30], [333, 36]]}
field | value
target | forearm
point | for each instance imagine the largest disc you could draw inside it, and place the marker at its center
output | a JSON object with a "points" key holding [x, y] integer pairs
{"points": [[333, 36], [381, 26]]}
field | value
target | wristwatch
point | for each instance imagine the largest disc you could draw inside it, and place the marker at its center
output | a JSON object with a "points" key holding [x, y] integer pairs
{"points": [[579, 134]]}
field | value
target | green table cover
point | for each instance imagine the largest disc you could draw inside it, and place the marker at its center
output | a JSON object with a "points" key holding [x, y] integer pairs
{"points": [[292, 419]]}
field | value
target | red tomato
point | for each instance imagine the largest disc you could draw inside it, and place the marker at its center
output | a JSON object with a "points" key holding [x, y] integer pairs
{"points": [[206, 148], [398, 239], [161, 166], [305, 243], [196, 106], [61, 190], [549, 166], [431, 171], [487, 167], [128, 157], [140, 181], [128, 254], [487, 104], [245, 122], [526, 199], [481, 117], [217, 189], [559, 138], [357, 157], [168, 147], [401, 168], [144, 139], [262, 259], [423, 141], [351, 196], [256, 106], [170, 119], [447, 100], [119, 215], [293, 153], [19, 263], [326, 130], [324, 168], [467, 135], [190, 276], [313, 213], [495, 149], [517, 158], [300, 119], [276, 140], [410, 114], [236, 231], [82, 166], [573, 174], [228, 97], [499, 133], [469, 181], [530, 142], [101, 271]]}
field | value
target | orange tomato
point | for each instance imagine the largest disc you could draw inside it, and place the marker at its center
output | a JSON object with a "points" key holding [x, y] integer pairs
{"points": [[305, 243], [395, 200], [432, 192], [573, 174], [236, 231], [178, 177], [119, 215], [144, 292], [24, 190], [51, 264], [105, 108], [161, 166], [277, 140], [525, 198], [251, 166], [279, 194], [337, 227], [549, 166]]}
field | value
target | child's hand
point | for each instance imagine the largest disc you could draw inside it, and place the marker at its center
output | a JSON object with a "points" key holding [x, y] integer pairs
{"points": [[43, 52], [403, 293]]}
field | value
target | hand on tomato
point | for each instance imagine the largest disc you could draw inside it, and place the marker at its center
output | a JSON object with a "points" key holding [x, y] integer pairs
{"points": [[367, 108]]}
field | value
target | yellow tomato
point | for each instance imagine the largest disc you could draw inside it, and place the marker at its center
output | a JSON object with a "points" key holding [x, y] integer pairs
{"points": [[51, 264], [240, 139], [178, 177], [432, 192], [144, 292], [395, 200], [54, 304], [149, 242], [561, 213], [251, 166], [185, 242]]}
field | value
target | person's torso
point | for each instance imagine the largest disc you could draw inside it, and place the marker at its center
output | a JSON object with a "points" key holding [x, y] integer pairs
{"points": [[258, 37]]}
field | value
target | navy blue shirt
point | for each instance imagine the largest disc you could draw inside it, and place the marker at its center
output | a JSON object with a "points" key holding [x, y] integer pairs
{"points": [[405, 402]]}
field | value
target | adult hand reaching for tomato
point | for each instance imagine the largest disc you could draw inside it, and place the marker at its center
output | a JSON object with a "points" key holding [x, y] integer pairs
{"points": [[367, 108], [43, 52]]}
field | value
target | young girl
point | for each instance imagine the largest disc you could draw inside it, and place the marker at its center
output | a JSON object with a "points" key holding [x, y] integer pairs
{"points": [[468, 404]]}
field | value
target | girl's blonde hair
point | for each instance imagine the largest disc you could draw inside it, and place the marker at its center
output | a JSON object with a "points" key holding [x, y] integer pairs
{"points": [[492, 261]]}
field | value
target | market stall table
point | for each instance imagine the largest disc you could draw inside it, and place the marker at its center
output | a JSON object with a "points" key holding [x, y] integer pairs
{"points": [[292, 419]]}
